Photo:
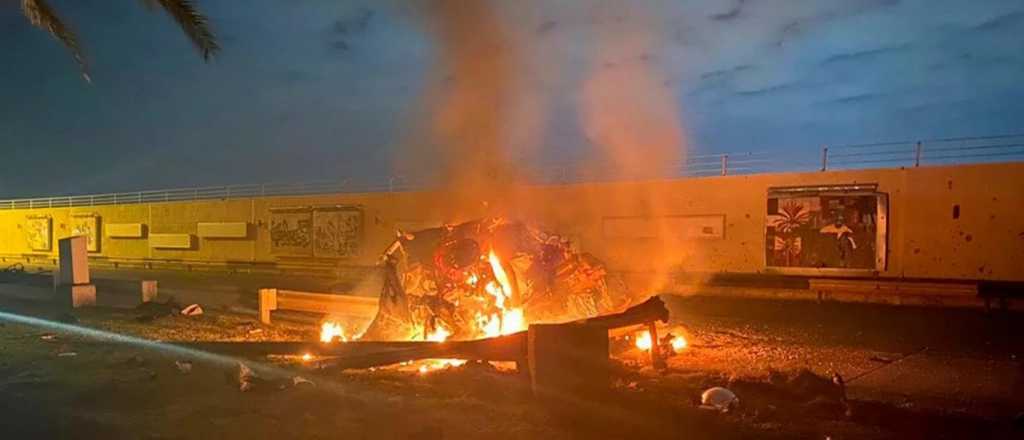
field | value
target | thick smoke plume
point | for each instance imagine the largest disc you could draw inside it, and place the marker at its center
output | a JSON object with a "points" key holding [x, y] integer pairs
{"points": [[490, 102]]}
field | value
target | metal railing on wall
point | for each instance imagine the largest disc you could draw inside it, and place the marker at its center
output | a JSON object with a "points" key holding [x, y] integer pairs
{"points": [[832, 157]]}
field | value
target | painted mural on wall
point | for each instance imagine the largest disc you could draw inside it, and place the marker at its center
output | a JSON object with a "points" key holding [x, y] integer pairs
{"points": [[87, 226], [337, 232], [37, 233], [822, 231], [291, 232], [324, 232]]}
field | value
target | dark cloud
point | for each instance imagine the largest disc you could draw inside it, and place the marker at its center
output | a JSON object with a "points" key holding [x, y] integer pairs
{"points": [[731, 14], [546, 27], [863, 55], [846, 9], [726, 73], [347, 28], [353, 23], [853, 99], [775, 89], [1013, 20]]}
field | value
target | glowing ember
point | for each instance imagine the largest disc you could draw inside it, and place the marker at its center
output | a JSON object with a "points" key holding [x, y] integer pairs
{"points": [[306, 357], [679, 343], [440, 334], [439, 364], [643, 340], [330, 330]]}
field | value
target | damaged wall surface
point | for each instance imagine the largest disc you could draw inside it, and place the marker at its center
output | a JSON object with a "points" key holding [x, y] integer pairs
{"points": [[950, 222]]}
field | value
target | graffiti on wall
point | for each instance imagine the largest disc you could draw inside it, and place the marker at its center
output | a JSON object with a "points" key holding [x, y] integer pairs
{"points": [[327, 232], [291, 232], [337, 232], [836, 231], [37, 233], [87, 226]]}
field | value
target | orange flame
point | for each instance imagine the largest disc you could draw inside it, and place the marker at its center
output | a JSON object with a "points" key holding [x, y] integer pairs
{"points": [[509, 319], [330, 330], [440, 334], [679, 343], [643, 340]]}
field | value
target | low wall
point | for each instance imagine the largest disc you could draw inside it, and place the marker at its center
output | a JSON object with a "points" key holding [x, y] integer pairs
{"points": [[951, 222]]}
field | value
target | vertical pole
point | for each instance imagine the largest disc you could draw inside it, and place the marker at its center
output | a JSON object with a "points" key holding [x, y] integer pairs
{"points": [[725, 164], [391, 184], [656, 359], [268, 303], [824, 158], [917, 155]]}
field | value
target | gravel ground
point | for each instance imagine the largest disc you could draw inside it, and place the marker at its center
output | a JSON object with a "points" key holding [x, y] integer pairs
{"points": [[911, 373]]}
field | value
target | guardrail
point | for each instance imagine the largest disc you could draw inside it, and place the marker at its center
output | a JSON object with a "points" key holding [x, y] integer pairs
{"points": [[930, 152], [832, 157]]}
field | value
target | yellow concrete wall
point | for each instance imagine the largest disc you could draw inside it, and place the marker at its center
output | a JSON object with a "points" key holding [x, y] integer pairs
{"points": [[986, 242]]}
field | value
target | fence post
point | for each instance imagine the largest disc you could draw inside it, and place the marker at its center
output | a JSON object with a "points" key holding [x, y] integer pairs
{"points": [[917, 155], [391, 184], [824, 158], [140, 196], [725, 164]]}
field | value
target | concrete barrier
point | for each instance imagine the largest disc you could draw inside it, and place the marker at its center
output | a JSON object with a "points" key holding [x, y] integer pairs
{"points": [[346, 306]]}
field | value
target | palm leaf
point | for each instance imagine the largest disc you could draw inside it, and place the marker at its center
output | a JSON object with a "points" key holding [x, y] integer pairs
{"points": [[41, 15], [192, 22]]}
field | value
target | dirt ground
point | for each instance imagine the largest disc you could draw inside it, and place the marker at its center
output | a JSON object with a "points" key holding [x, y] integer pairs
{"points": [[910, 373]]}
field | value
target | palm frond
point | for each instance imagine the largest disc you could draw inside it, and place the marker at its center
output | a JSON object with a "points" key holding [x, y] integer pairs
{"points": [[42, 16], [192, 22]]}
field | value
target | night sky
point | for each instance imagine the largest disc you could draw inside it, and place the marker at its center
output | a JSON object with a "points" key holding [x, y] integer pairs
{"points": [[327, 89]]}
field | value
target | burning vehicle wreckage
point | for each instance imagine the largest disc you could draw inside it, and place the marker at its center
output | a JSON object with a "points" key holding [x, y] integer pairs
{"points": [[488, 290], [487, 278]]}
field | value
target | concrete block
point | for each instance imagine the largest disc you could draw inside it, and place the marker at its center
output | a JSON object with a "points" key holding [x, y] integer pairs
{"points": [[170, 241], [74, 261], [223, 230], [125, 230], [76, 296], [149, 290], [268, 303], [568, 360]]}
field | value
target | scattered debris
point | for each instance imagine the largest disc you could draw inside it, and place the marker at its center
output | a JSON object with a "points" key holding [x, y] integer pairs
{"points": [[299, 380], [152, 309], [881, 359], [185, 367], [192, 310], [67, 354], [48, 337], [719, 399], [247, 378]]}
